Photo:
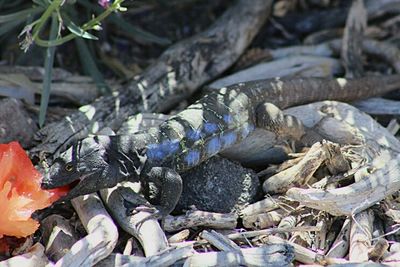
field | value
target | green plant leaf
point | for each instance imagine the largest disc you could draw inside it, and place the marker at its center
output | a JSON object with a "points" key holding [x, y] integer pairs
{"points": [[8, 5], [72, 27], [48, 71], [6, 27], [135, 32], [20, 15], [90, 67], [55, 7], [42, 3]]}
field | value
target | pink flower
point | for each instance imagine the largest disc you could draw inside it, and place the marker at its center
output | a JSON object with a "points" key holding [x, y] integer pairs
{"points": [[104, 3]]}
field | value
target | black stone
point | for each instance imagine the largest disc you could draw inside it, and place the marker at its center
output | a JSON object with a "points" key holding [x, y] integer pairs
{"points": [[219, 185]]}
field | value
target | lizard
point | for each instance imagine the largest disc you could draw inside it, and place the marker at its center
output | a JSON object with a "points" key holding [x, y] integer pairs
{"points": [[217, 121]]}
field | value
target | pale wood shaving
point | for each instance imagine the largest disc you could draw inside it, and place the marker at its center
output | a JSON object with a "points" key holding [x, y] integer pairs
{"points": [[102, 233]]}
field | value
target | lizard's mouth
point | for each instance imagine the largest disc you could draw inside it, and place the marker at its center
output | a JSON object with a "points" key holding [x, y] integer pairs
{"points": [[74, 188], [72, 185]]}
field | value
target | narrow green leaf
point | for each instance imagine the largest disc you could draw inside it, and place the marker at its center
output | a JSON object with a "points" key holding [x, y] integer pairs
{"points": [[90, 67], [7, 4], [130, 29], [37, 28], [72, 27], [137, 32], [48, 70], [6, 27], [20, 14], [42, 3]]}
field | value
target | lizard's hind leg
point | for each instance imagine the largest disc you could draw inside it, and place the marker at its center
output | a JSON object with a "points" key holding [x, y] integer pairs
{"points": [[271, 118], [169, 182]]}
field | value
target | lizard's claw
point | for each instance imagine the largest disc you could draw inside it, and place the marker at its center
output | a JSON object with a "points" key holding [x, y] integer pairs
{"points": [[141, 205], [157, 213], [144, 208]]}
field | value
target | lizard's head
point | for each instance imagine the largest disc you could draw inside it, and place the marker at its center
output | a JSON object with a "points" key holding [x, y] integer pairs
{"points": [[87, 166]]}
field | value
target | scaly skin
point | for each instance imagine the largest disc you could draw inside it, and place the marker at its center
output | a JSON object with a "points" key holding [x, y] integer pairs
{"points": [[215, 122]]}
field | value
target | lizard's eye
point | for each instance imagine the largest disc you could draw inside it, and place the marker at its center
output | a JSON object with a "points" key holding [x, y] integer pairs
{"points": [[69, 167]]}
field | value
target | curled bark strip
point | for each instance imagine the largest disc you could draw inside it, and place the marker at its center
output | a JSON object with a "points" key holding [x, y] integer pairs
{"points": [[33, 258], [352, 38], [388, 52], [271, 255], [384, 50], [200, 218], [219, 241], [179, 237], [275, 230], [351, 127], [102, 233], [355, 197], [166, 258], [379, 106], [265, 205], [58, 235], [264, 220], [179, 71], [301, 254], [287, 222], [378, 8], [147, 232], [305, 66], [297, 174], [340, 246], [392, 258], [379, 249], [360, 236]]}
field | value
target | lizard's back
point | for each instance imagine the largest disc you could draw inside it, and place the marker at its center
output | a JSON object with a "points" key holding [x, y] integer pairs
{"points": [[225, 117]]}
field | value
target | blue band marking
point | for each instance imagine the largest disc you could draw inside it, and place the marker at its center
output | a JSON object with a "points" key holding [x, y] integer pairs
{"points": [[159, 151], [194, 135], [192, 158], [154, 152], [210, 127], [228, 139], [213, 146], [228, 118]]}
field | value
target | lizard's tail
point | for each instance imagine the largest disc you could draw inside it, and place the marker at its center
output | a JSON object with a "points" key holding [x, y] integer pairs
{"points": [[305, 90]]}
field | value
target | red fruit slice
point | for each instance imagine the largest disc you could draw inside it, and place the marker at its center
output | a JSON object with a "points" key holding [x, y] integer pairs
{"points": [[20, 192]]}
